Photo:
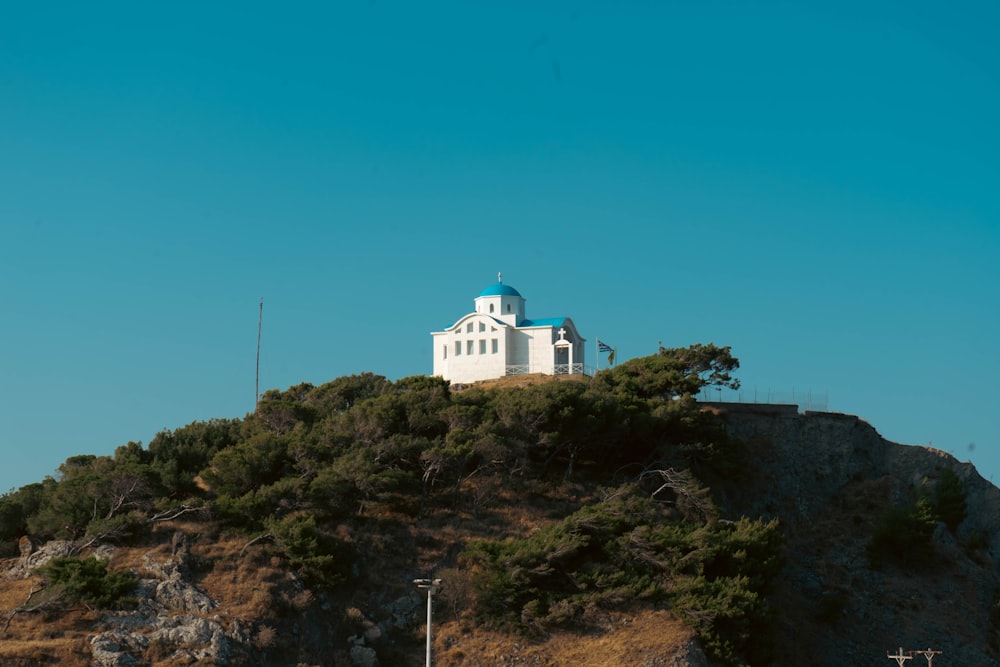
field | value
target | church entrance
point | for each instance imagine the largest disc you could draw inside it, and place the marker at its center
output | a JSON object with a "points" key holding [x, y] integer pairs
{"points": [[562, 360]]}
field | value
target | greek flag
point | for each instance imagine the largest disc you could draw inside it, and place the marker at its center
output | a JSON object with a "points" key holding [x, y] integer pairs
{"points": [[603, 347]]}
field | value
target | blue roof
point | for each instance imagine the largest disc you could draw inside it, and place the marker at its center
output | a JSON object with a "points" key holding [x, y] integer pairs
{"points": [[544, 322], [499, 289]]}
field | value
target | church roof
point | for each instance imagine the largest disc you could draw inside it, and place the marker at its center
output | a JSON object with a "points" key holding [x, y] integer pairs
{"points": [[544, 322], [499, 289]]}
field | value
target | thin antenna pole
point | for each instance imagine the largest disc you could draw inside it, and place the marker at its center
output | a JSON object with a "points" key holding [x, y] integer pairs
{"points": [[260, 321]]}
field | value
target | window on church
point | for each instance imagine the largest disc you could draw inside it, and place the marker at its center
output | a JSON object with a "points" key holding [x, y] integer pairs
{"points": [[458, 347], [482, 346], [445, 352], [469, 346], [491, 307], [496, 346], [482, 326], [468, 328], [508, 307]]}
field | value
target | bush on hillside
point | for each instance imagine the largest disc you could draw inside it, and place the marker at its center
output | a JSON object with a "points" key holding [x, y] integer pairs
{"points": [[948, 499], [321, 558], [904, 536], [628, 549], [88, 581]]}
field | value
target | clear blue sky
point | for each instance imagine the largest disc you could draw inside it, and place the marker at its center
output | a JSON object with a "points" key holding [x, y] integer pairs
{"points": [[817, 187]]}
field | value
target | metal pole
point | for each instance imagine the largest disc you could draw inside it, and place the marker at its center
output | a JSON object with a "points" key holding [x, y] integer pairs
{"points": [[256, 389], [430, 596], [432, 586]]}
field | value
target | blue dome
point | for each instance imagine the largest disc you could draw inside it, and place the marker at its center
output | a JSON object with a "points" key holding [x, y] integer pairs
{"points": [[499, 289]]}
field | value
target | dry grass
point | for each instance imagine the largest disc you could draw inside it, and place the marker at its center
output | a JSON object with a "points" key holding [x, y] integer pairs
{"points": [[627, 640], [29, 653], [38, 639], [244, 586], [13, 592]]}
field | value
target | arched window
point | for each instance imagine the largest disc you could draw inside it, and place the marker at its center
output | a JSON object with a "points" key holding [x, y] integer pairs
{"points": [[508, 307], [491, 307]]}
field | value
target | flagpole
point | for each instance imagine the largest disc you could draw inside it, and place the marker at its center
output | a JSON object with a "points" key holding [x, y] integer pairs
{"points": [[597, 354], [256, 389]]}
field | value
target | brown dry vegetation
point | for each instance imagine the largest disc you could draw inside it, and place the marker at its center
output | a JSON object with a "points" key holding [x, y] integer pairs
{"points": [[42, 638], [626, 639]]}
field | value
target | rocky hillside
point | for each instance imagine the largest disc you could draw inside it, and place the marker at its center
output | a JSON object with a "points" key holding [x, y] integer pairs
{"points": [[831, 478], [881, 545]]}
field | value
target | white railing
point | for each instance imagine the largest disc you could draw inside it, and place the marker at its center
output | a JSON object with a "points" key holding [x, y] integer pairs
{"points": [[555, 369]]}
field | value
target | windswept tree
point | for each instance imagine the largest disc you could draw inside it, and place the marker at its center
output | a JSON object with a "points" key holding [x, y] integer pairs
{"points": [[90, 494], [705, 365], [672, 372]]}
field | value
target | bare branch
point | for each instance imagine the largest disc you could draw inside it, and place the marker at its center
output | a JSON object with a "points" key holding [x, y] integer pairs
{"points": [[265, 536], [171, 514], [25, 609], [692, 499]]}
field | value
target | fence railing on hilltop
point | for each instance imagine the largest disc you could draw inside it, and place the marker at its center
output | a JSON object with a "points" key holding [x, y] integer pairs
{"points": [[806, 400], [550, 369]]}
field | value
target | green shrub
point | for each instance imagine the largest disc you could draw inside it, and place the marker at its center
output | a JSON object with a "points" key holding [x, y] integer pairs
{"points": [[321, 558], [732, 619], [248, 512], [949, 499], [89, 581], [903, 537], [627, 549]]}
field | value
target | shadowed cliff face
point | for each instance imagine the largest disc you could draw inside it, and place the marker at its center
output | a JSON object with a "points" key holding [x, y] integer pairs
{"points": [[830, 478]]}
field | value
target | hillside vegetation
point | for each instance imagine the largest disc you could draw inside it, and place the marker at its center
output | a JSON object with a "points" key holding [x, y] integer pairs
{"points": [[613, 510]]}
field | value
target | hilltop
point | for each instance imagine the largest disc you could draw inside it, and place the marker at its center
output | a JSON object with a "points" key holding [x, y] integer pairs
{"points": [[597, 521]]}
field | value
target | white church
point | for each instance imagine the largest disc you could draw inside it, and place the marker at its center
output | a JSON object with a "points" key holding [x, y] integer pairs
{"points": [[496, 339]]}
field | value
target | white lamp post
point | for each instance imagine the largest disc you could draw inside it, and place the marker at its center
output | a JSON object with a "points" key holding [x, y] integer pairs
{"points": [[432, 586]]}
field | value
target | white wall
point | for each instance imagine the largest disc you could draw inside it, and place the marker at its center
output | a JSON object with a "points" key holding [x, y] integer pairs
{"points": [[479, 365], [542, 355]]}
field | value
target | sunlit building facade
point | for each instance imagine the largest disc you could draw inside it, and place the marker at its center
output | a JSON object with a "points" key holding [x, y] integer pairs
{"points": [[496, 339]]}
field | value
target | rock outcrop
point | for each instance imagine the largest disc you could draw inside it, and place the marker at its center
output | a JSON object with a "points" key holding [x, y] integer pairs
{"points": [[171, 614], [830, 478]]}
